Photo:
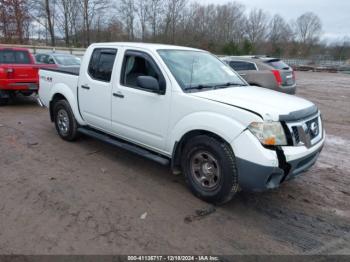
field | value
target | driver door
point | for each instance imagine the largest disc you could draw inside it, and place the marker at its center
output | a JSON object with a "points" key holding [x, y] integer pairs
{"points": [[140, 115]]}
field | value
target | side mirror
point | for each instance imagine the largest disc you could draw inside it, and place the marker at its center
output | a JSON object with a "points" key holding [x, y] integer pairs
{"points": [[148, 83]]}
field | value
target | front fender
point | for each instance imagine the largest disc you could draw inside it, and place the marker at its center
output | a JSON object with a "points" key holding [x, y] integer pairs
{"points": [[67, 92], [221, 125]]}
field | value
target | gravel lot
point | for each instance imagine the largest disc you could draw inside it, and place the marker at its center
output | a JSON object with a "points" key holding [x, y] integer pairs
{"points": [[89, 198]]}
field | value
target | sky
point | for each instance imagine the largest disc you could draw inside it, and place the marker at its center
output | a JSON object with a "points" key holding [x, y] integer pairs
{"points": [[335, 14]]}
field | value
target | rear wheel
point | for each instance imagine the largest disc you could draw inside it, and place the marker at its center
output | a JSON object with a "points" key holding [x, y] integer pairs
{"points": [[4, 98], [4, 101], [210, 170], [28, 93], [66, 125]]}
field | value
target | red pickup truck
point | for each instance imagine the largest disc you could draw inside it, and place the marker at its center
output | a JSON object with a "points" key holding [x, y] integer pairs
{"points": [[18, 73]]}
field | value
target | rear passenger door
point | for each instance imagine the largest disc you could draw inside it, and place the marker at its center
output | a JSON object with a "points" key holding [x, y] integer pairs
{"points": [[95, 88]]}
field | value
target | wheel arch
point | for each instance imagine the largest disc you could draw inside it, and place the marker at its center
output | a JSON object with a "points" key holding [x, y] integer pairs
{"points": [[63, 92], [179, 145], [56, 97]]}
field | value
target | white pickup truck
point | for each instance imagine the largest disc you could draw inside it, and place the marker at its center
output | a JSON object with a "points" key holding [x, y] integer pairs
{"points": [[184, 107]]}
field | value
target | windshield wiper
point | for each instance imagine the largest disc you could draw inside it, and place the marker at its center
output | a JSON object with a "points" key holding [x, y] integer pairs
{"points": [[228, 84], [224, 85], [199, 87]]}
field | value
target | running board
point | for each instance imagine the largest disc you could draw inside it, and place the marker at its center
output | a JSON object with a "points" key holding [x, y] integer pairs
{"points": [[124, 145]]}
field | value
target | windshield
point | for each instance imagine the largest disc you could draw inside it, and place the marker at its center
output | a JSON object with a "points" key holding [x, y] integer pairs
{"points": [[67, 60], [197, 70]]}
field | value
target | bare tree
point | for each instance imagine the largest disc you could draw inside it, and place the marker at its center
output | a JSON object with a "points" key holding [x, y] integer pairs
{"points": [[279, 30], [280, 35], [14, 20], [65, 8], [126, 10], [225, 28], [308, 28], [89, 10], [174, 9], [256, 26], [86, 7], [74, 17], [49, 10], [341, 49], [142, 13], [155, 10], [230, 21], [43, 12]]}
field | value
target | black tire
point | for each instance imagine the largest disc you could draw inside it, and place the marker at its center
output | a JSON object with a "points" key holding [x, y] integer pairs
{"points": [[27, 93], [4, 101], [222, 159], [67, 129]]}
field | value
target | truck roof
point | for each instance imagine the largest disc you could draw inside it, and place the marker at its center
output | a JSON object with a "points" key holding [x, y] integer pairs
{"points": [[148, 46], [14, 48]]}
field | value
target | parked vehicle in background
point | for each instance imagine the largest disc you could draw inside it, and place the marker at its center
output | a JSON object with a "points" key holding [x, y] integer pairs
{"points": [[268, 72], [58, 59], [18, 73], [185, 107]]}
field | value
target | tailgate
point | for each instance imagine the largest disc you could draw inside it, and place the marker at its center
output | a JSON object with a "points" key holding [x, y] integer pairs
{"points": [[17, 70], [19, 77], [287, 77], [285, 70], [22, 72]]}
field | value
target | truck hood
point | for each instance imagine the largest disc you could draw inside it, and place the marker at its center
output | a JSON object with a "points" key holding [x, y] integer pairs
{"points": [[270, 105]]}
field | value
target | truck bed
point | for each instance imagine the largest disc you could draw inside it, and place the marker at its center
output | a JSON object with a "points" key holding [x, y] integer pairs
{"points": [[65, 70], [63, 78]]}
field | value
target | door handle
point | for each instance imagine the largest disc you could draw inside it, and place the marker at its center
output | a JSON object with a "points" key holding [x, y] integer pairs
{"points": [[85, 87], [118, 94], [242, 74]]}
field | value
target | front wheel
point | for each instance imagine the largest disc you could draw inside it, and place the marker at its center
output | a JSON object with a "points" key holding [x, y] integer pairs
{"points": [[65, 122], [210, 169]]}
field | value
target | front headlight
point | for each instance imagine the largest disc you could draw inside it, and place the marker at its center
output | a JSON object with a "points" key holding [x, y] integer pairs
{"points": [[269, 133]]}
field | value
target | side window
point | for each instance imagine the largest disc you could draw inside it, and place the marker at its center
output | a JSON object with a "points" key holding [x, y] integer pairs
{"points": [[37, 58], [50, 60], [101, 64], [242, 66], [137, 64], [42, 59]]}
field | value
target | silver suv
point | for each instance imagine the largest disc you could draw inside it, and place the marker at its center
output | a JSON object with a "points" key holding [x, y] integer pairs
{"points": [[268, 72]]}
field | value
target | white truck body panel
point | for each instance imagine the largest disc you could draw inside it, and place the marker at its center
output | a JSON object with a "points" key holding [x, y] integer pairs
{"points": [[268, 103], [157, 122]]}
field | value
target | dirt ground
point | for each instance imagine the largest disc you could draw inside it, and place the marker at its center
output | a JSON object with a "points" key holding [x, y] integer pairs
{"points": [[91, 198]]}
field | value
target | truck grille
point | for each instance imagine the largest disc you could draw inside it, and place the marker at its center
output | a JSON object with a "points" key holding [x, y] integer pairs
{"points": [[307, 132], [296, 134]]}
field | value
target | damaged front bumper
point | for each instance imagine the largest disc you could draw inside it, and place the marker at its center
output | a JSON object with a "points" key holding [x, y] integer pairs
{"points": [[260, 168]]}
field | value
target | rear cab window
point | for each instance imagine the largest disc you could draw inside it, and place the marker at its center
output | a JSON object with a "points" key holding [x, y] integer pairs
{"points": [[242, 66], [14, 57], [101, 64]]}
